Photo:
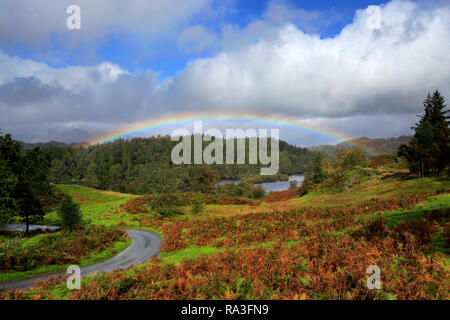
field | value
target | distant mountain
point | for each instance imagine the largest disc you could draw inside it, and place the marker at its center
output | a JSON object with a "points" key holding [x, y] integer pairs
{"points": [[378, 145], [43, 145], [375, 146], [74, 135], [54, 144]]}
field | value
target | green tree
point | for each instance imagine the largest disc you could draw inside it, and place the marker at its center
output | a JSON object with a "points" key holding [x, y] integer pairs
{"points": [[348, 158], [344, 173], [197, 205], [285, 162], [429, 150], [10, 155], [69, 213], [316, 171], [204, 179], [383, 160], [165, 187], [32, 184]]}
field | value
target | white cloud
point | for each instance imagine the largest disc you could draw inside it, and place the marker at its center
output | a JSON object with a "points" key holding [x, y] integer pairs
{"points": [[360, 71], [357, 76], [70, 77]]}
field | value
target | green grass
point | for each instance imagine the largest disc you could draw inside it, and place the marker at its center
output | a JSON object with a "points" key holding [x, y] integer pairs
{"points": [[61, 292], [5, 238], [392, 218], [101, 208], [438, 243], [176, 257], [92, 258]]}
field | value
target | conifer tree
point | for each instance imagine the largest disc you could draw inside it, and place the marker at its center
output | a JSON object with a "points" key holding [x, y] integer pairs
{"points": [[429, 150]]}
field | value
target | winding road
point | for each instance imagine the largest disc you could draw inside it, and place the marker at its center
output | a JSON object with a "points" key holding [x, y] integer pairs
{"points": [[145, 245]]}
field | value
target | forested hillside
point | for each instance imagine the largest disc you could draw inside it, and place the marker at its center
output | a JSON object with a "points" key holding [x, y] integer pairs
{"points": [[134, 166]]}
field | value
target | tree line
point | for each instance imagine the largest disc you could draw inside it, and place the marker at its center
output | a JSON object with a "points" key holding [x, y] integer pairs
{"points": [[136, 165]]}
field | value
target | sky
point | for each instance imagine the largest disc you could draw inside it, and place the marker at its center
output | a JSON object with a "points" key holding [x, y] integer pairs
{"points": [[326, 63]]}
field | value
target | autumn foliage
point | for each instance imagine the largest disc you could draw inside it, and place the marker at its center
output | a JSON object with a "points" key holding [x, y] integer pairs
{"points": [[253, 228], [321, 267], [303, 253], [282, 195], [59, 248], [140, 205]]}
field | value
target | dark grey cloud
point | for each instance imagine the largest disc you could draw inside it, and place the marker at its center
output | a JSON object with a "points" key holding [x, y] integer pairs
{"points": [[24, 91], [315, 21], [33, 22]]}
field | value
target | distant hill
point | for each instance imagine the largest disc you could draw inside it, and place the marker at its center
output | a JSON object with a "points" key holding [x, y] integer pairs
{"points": [[43, 145], [51, 144], [378, 145], [70, 136], [375, 146]]}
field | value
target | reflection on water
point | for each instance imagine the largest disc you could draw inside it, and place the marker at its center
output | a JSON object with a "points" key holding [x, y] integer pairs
{"points": [[273, 186], [223, 181], [282, 185]]}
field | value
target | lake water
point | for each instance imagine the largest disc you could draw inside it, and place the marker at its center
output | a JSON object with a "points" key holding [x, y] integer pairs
{"points": [[281, 185], [273, 186]]}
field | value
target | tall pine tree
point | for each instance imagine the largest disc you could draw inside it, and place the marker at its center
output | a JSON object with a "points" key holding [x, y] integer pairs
{"points": [[429, 150]]}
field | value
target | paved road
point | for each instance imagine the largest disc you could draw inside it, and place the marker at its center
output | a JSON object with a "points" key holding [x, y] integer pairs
{"points": [[145, 245]]}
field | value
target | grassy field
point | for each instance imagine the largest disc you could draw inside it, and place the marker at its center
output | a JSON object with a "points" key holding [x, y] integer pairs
{"points": [[314, 247], [98, 207]]}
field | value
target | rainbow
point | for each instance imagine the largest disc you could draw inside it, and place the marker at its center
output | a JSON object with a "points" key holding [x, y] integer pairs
{"points": [[143, 128]]}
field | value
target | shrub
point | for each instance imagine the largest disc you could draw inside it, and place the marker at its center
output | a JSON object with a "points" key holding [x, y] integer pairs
{"points": [[347, 158], [304, 189], [136, 206], [345, 179], [242, 189], [281, 195], [371, 230], [382, 160], [163, 204], [69, 213], [350, 179], [293, 184], [204, 179], [197, 205], [258, 192]]}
